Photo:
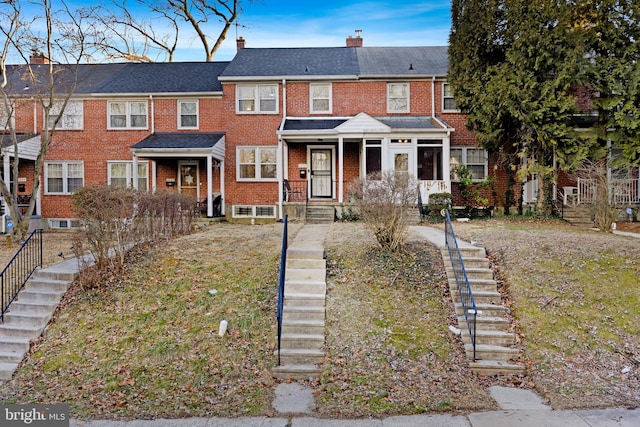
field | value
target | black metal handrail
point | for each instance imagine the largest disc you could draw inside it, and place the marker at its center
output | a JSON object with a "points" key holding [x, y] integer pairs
{"points": [[283, 265], [462, 281], [20, 268], [295, 191], [420, 205]]}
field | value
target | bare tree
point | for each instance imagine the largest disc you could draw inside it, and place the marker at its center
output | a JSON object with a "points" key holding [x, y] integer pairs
{"points": [[51, 34], [603, 210], [152, 29]]}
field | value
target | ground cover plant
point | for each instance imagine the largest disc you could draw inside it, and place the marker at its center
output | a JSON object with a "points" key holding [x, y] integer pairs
{"points": [[575, 295]]}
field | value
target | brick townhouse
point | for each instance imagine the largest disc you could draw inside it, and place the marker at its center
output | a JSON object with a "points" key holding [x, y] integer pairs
{"points": [[263, 135]]}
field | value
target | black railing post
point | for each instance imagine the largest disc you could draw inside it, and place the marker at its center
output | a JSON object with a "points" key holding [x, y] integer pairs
{"points": [[283, 266]]}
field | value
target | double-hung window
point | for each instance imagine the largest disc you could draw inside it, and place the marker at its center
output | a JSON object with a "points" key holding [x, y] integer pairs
{"points": [[397, 97], [187, 114], [120, 174], [257, 98], [448, 101], [127, 114], [6, 119], [320, 97], [256, 163], [475, 160], [72, 118], [62, 177]]}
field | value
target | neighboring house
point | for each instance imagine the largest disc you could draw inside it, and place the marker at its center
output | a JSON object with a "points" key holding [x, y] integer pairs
{"points": [[256, 137]]}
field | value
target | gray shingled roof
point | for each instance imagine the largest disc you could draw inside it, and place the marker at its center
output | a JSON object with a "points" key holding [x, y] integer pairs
{"points": [[169, 77], [339, 61], [403, 61], [315, 124], [179, 140], [283, 62]]}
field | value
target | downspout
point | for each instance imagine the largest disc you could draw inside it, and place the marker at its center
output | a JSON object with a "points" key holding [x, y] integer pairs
{"points": [[280, 153], [433, 96], [35, 118], [153, 115]]}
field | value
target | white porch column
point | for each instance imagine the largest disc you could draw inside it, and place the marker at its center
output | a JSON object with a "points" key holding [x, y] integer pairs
{"points": [[209, 185], [281, 174], [134, 172], [222, 204], [340, 169], [446, 161]]}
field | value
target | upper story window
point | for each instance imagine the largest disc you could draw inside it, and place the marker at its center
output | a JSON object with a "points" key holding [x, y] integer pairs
{"points": [[72, 117], [475, 159], [127, 115], [257, 98], [6, 118], [120, 174], [448, 101], [256, 163], [397, 97], [63, 177], [187, 114], [320, 97]]}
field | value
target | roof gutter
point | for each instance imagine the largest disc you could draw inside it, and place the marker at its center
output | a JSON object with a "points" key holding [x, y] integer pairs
{"points": [[156, 94], [293, 77]]}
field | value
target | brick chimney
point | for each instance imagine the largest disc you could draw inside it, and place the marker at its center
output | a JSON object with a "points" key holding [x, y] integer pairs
{"points": [[38, 58], [240, 42], [355, 41]]}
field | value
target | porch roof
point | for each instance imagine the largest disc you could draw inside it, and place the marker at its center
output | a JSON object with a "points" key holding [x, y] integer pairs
{"points": [[28, 145], [182, 143]]}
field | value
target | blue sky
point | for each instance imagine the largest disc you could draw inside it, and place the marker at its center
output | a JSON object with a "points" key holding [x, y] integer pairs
{"points": [[287, 23]]}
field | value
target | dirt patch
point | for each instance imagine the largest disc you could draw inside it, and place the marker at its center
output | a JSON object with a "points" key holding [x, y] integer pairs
{"points": [[632, 227]]}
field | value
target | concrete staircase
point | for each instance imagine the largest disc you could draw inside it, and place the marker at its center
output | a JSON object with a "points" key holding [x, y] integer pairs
{"points": [[320, 214], [29, 315], [578, 215], [302, 340], [495, 343]]}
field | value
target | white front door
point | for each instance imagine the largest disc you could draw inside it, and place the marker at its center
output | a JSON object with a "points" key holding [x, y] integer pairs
{"points": [[402, 160], [321, 172]]}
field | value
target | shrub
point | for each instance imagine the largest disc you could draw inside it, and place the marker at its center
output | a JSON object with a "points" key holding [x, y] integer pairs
{"points": [[382, 202]]}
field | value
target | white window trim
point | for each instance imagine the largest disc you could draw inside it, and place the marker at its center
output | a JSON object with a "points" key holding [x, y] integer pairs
{"points": [[129, 173], [454, 177], [63, 122], [65, 175], [455, 110], [408, 108], [7, 118], [256, 99], [257, 150], [127, 114], [311, 98], [185, 101]]}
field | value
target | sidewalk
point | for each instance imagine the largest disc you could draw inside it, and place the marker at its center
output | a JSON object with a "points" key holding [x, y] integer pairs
{"points": [[294, 403]]}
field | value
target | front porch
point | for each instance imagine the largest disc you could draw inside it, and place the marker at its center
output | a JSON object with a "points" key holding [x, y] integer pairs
{"points": [[622, 192]]}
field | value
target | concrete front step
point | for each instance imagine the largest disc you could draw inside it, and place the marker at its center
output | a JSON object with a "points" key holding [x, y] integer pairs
{"points": [[304, 253], [14, 344], [476, 285], [488, 323], [303, 313], [296, 372], [480, 297], [313, 263], [21, 331], [301, 341], [496, 367], [29, 296], [305, 274], [491, 352], [300, 356], [7, 369], [490, 310], [55, 275], [489, 337], [26, 319], [47, 285], [35, 307], [314, 327], [305, 287], [303, 300], [11, 356], [473, 272]]}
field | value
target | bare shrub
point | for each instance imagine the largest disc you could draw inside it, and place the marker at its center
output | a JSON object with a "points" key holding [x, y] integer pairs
{"points": [[382, 201], [115, 219], [604, 212]]}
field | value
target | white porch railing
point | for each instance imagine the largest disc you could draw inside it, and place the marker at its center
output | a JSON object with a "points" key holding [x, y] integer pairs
{"points": [[430, 187], [621, 191]]}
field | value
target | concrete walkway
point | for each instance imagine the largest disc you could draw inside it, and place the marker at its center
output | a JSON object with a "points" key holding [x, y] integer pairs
{"points": [[294, 403]]}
